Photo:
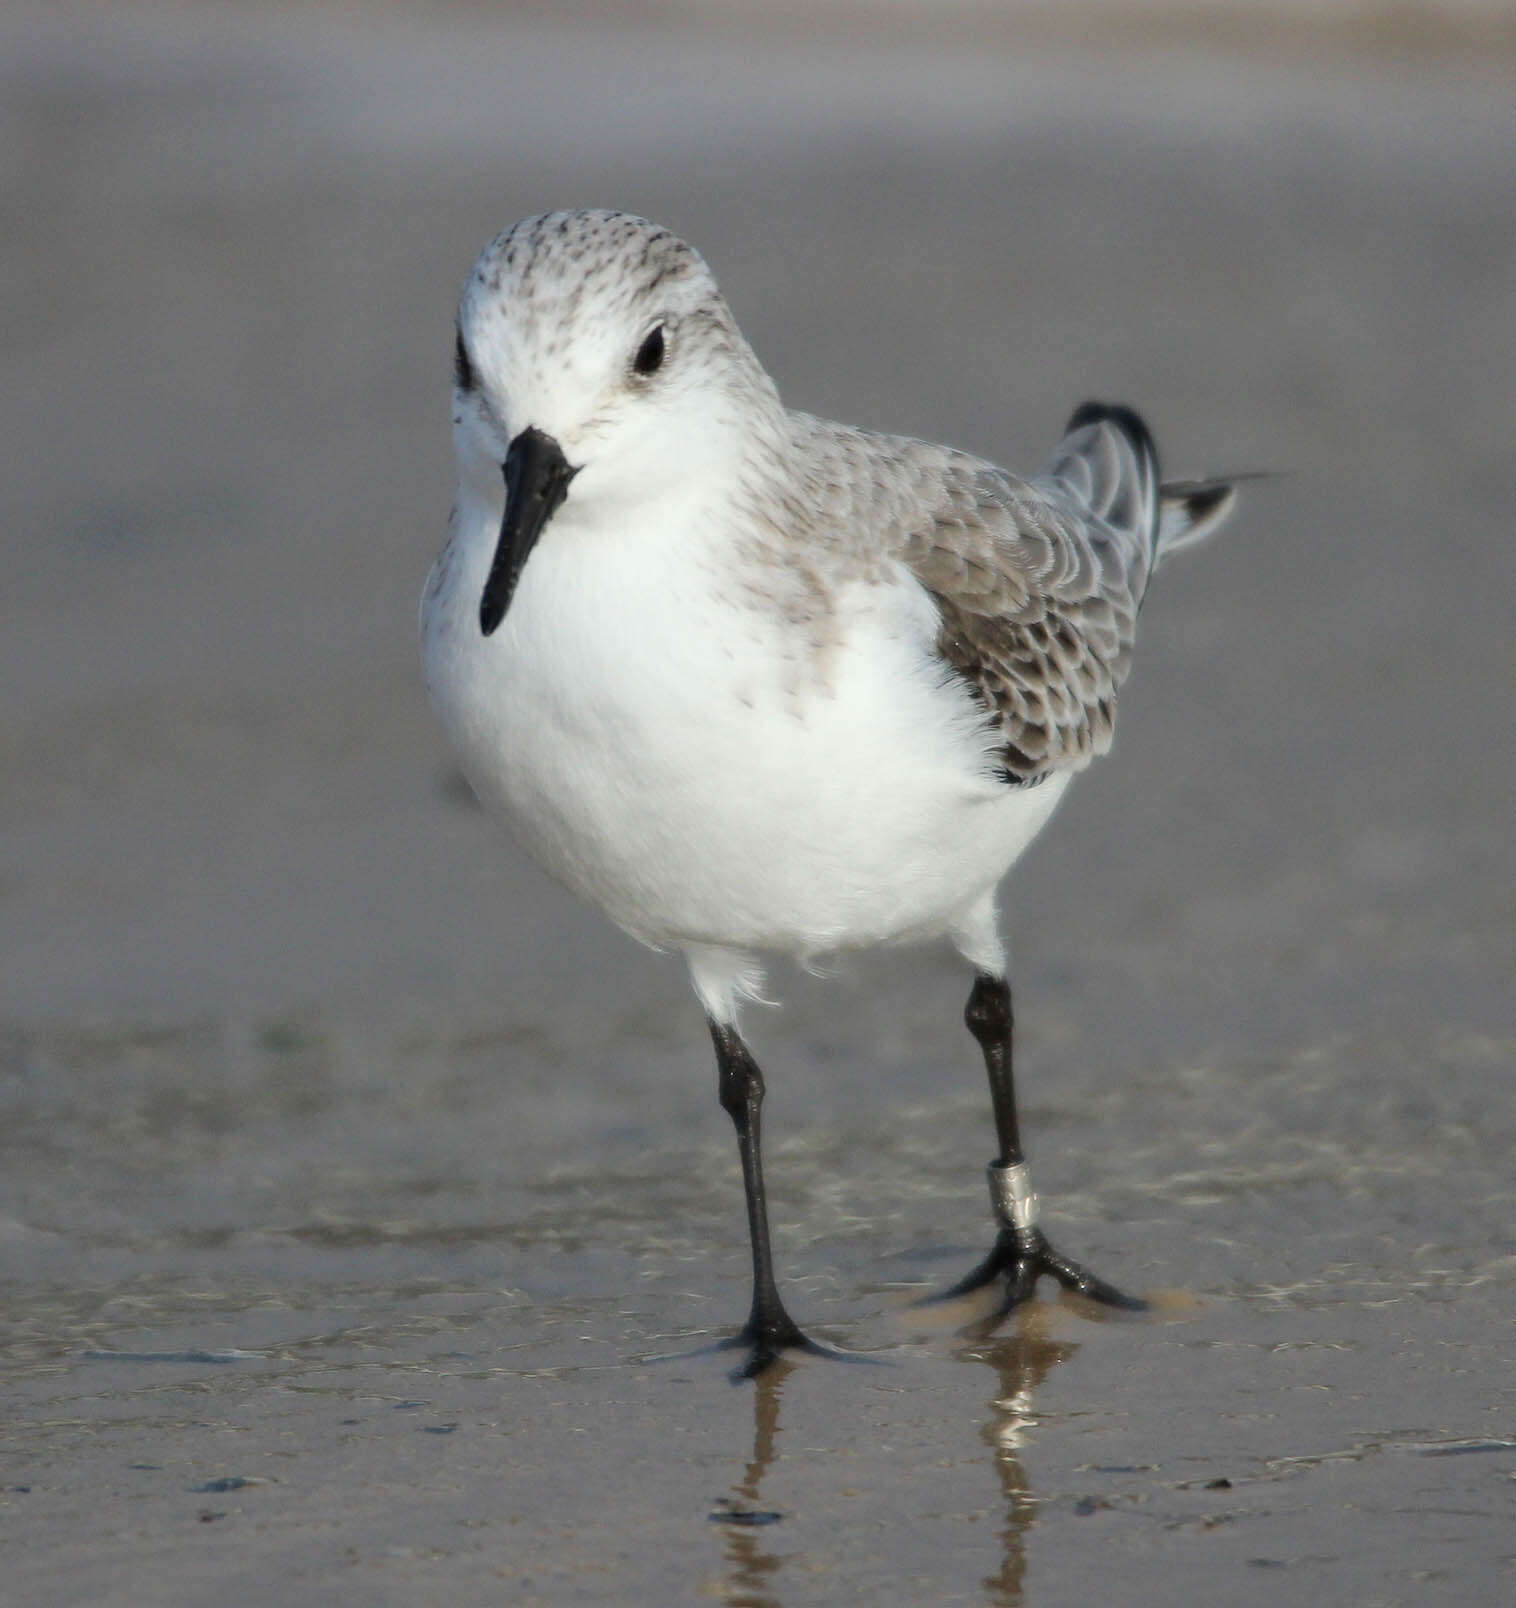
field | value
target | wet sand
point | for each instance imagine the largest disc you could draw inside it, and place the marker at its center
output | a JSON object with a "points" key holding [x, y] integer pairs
{"points": [[365, 1203]]}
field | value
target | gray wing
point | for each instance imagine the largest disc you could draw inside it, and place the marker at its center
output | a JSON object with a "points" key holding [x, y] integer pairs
{"points": [[1038, 583]]}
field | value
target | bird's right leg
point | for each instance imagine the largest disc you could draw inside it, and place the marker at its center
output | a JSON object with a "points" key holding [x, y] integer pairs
{"points": [[1021, 1253], [769, 1328]]}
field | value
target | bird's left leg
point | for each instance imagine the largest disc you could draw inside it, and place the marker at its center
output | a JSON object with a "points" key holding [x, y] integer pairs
{"points": [[1021, 1251]]}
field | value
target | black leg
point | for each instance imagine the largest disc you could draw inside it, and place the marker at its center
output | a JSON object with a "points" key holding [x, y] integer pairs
{"points": [[769, 1328], [1021, 1251], [992, 1021]]}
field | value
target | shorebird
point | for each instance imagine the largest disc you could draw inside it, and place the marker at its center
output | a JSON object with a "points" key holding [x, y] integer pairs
{"points": [[758, 684]]}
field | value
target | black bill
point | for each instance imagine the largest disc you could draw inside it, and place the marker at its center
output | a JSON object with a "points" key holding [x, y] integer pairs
{"points": [[537, 477]]}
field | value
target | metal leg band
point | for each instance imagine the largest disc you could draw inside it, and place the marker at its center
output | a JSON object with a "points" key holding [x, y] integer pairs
{"points": [[1011, 1195]]}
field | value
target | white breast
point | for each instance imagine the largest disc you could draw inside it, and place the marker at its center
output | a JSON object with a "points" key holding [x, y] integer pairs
{"points": [[706, 771]]}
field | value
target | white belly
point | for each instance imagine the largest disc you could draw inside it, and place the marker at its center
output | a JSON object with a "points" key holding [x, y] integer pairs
{"points": [[709, 774]]}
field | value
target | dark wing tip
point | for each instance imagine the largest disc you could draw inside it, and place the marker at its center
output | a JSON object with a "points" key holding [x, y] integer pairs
{"points": [[1201, 499], [1127, 420], [1128, 423]]}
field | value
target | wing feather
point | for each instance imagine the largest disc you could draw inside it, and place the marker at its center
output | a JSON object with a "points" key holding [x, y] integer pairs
{"points": [[1038, 587], [1037, 582]]}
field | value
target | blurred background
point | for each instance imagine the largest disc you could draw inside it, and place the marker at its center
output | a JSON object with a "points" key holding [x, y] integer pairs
{"points": [[292, 1039], [237, 234]]}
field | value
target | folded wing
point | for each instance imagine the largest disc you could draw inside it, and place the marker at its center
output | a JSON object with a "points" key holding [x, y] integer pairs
{"points": [[1038, 582]]}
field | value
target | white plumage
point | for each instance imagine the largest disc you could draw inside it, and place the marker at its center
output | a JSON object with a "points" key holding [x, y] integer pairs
{"points": [[749, 681]]}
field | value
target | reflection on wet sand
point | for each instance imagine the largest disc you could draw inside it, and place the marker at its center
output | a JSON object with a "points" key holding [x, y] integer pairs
{"points": [[750, 1566], [1021, 1362]]}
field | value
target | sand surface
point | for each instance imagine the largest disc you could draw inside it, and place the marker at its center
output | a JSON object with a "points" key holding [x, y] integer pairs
{"points": [[365, 1203]]}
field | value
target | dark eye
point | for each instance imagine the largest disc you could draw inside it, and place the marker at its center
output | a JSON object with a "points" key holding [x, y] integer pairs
{"points": [[649, 358], [463, 370]]}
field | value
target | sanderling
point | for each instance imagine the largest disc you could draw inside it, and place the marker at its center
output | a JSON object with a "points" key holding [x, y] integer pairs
{"points": [[756, 683]]}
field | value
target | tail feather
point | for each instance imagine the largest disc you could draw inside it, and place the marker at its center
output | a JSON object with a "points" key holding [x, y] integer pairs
{"points": [[1189, 510], [1108, 460]]}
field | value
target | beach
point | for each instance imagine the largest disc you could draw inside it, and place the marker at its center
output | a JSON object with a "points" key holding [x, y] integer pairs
{"points": [[366, 1209]]}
